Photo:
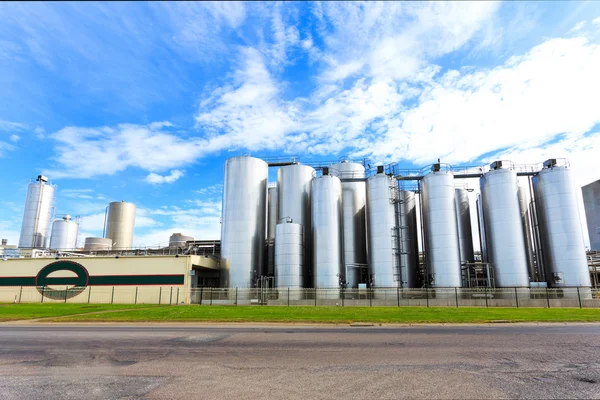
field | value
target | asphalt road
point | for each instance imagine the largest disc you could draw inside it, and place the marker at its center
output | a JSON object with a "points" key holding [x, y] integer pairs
{"points": [[190, 362]]}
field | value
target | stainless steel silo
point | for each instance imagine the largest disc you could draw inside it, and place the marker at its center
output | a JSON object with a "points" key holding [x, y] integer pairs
{"points": [[504, 227], [37, 214], [119, 224], [243, 221], [408, 239], [527, 232], [384, 257], [294, 184], [97, 244], [354, 200], [463, 219], [289, 254], [272, 219], [64, 233], [327, 247], [442, 253], [559, 221]]}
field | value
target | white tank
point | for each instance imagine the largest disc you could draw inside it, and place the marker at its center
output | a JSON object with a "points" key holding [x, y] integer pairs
{"points": [[179, 240], [524, 206], [463, 219], [64, 234], [327, 231], [119, 224], [563, 248], [244, 221], [354, 200], [408, 239], [37, 214], [289, 254], [442, 252], [504, 225], [272, 199], [96, 244]]}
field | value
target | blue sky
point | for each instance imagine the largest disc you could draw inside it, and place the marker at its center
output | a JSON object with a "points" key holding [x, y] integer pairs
{"points": [[144, 101]]}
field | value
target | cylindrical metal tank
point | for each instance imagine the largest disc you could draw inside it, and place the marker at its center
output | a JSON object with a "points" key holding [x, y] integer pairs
{"points": [[463, 219], [272, 200], [504, 226], [527, 232], [354, 200], [294, 183], [384, 260], [560, 226], [442, 253], [96, 243], [327, 231], [64, 234], [119, 224], [408, 239], [37, 214], [179, 240], [289, 254], [244, 219]]}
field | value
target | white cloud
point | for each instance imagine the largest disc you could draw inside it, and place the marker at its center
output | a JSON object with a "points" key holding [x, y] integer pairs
{"points": [[577, 27], [9, 126], [109, 150], [156, 179], [14, 138], [596, 20]]}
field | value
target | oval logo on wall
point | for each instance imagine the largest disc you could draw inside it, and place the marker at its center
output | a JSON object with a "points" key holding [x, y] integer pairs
{"points": [[62, 287]]}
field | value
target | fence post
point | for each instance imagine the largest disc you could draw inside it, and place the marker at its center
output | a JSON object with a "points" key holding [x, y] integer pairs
{"points": [[579, 297], [211, 296], [427, 295], [20, 293], [517, 297], [43, 289], [547, 297], [66, 293], [112, 297], [201, 290], [315, 297], [89, 293], [456, 296], [236, 296], [370, 291], [288, 297], [398, 295], [177, 301], [136, 292], [159, 294], [171, 295]]}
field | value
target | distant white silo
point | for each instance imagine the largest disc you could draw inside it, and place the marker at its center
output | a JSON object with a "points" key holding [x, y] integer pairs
{"points": [[64, 233], [37, 214], [179, 240], [119, 224]]}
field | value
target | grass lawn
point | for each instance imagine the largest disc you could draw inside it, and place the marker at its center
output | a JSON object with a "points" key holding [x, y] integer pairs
{"points": [[155, 313], [12, 312]]}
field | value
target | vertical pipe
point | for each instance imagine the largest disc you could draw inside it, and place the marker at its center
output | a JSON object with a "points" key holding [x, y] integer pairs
{"points": [[427, 295]]}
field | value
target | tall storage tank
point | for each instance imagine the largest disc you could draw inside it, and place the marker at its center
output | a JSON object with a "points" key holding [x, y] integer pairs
{"points": [[244, 218], [442, 253], [37, 214], [354, 200], [64, 234], [504, 227], [96, 244], [527, 232], [119, 224], [294, 183], [463, 219], [560, 226], [272, 219], [327, 231], [408, 239], [383, 241], [289, 254]]}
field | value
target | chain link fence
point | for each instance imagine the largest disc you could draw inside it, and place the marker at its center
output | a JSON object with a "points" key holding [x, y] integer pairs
{"points": [[582, 297]]}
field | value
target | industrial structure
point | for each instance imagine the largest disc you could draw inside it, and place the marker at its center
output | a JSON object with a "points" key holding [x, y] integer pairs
{"points": [[344, 225], [591, 203]]}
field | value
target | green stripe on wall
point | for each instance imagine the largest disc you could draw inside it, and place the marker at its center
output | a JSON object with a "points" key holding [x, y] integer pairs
{"points": [[17, 281], [109, 280]]}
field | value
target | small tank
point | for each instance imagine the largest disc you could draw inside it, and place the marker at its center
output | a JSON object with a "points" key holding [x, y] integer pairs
{"points": [[178, 240], [272, 199], [120, 223], [64, 234], [463, 218], [97, 244], [289, 253]]}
